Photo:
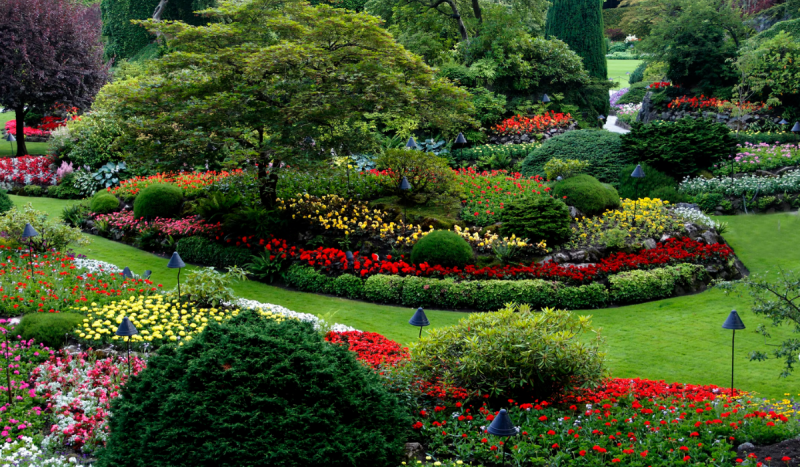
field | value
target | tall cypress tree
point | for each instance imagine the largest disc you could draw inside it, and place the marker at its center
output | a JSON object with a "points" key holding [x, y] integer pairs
{"points": [[579, 23]]}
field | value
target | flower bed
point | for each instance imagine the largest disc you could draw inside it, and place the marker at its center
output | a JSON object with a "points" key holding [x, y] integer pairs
{"points": [[11, 127], [703, 102], [370, 347], [27, 170], [518, 125], [124, 222], [486, 193], [635, 221], [191, 183], [57, 284], [761, 156], [748, 185]]}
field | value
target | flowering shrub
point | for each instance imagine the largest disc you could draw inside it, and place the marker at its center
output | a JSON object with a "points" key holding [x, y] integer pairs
{"points": [[78, 391], [158, 319], [761, 156], [660, 85], [11, 127], [191, 183], [486, 193], [616, 95], [627, 113], [124, 222], [639, 220], [57, 284], [484, 243], [27, 170], [787, 182], [518, 125], [616, 389], [24, 452], [673, 251], [370, 347]]}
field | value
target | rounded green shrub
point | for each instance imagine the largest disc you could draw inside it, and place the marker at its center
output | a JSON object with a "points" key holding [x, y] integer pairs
{"points": [[252, 391], [601, 149], [537, 218], [48, 328], [443, 248], [634, 95], [5, 202], [637, 188], [587, 194], [482, 353], [158, 200], [104, 203], [637, 75]]}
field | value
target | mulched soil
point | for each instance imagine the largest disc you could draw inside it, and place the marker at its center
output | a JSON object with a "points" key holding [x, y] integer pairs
{"points": [[789, 448]]}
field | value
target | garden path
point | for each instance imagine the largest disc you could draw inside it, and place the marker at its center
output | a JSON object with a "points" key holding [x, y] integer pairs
{"points": [[611, 125]]}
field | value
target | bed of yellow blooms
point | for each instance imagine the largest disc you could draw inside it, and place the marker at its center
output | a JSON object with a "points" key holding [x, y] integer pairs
{"points": [[639, 219], [332, 212], [158, 319], [484, 242]]}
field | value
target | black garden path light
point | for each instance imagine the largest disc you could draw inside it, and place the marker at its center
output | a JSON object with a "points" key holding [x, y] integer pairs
{"points": [[404, 187], [177, 263], [461, 142], [545, 99], [27, 234], [733, 323], [11, 140], [638, 173], [411, 144], [796, 127], [128, 330], [126, 273], [502, 426], [350, 259], [783, 122], [419, 319]]}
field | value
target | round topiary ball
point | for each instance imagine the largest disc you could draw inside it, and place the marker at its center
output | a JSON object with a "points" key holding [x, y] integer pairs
{"points": [[587, 194], [5, 202], [252, 391], [442, 248], [104, 203], [601, 149], [537, 218], [158, 200]]}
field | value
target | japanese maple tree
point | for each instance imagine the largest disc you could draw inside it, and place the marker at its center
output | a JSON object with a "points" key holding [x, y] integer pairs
{"points": [[52, 53]]}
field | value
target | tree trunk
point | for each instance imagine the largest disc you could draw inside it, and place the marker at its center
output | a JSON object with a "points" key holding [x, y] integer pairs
{"points": [[462, 30], [268, 183], [21, 147], [159, 12], [476, 9]]}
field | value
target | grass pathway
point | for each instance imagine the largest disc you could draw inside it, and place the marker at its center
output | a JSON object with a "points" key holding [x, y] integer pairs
{"points": [[678, 339], [618, 71], [6, 147]]}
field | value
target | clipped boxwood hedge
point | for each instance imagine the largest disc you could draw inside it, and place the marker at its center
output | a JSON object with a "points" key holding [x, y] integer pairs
{"points": [[412, 291]]}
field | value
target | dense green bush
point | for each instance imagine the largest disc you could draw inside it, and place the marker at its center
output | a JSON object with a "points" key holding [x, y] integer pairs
{"points": [[443, 248], [583, 297], [5, 202], [601, 149], [383, 288], [104, 203], [48, 328], [637, 188], [66, 188], [669, 193], [679, 148], [587, 194], [537, 218], [158, 200], [708, 201], [90, 141], [200, 250], [634, 95], [653, 284], [250, 391], [32, 190], [638, 74], [348, 285], [482, 353], [579, 23], [217, 206]]}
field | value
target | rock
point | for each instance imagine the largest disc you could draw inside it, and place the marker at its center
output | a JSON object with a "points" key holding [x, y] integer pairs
{"points": [[577, 256], [584, 265], [718, 213], [710, 237], [691, 229], [561, 258], [547, 259], [649, 244], [688, 206], [595, 253], [740, 268], [713, 269], [575, 212], [746, 447], [664, 238], [415, 451]]}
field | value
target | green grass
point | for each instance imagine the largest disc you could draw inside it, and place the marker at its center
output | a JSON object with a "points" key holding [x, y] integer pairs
{"points": [[679, 339], [6, 147], [618, 69]]}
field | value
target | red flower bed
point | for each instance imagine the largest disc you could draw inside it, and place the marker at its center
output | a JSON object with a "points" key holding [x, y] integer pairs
{"points": [[371, 347], [639, 389], [660, 85], [673, 251], [27, 170], [187, 181], [124, 221], [519, 125], [703, 102]]}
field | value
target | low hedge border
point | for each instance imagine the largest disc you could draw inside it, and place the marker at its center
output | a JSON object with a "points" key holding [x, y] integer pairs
{"points": [[622, 288]]}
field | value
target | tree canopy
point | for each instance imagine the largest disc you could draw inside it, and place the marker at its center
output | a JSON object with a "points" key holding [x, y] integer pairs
{"points": [[51, 54], [272, 82]]}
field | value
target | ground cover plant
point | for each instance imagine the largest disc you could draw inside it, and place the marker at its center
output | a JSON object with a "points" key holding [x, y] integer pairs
{"points": [[763, 156], [487, 193]]}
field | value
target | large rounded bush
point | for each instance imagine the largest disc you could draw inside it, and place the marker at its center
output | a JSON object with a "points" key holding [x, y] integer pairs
{"points": [[482, 353], [48, 328], [587, 194], [5, 202], [254, 392], [443, 248], [637, 188], [601, 149], [537, 218], [158, 200], [103, 203]]}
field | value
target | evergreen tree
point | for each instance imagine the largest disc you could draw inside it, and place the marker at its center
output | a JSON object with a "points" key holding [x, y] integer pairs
{"points": [[579, 23]]}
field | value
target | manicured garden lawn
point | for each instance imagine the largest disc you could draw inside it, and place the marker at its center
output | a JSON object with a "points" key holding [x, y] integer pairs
{"points": [[678, 339], [618, 69], [5, 146]]}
